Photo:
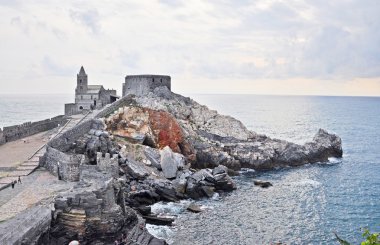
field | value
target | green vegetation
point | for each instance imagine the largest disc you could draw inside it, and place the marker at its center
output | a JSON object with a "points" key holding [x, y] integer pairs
{"points": [[370, 238]]}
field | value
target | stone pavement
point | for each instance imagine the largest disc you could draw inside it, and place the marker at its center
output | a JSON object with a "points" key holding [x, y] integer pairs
{"points": [[10, 174], [25, 210], [39, 187]]}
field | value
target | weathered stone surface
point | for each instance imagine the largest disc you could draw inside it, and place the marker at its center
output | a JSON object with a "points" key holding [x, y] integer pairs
{"points": [[89, 212], [154, 128], [171, 162], [223, 140], [136, 169]]}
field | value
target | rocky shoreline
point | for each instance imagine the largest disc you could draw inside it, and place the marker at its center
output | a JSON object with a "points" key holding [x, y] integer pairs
{"points": [[160, 147]]}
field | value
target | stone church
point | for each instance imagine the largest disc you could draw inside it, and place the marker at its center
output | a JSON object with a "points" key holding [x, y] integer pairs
{"points": [[89, 97]]}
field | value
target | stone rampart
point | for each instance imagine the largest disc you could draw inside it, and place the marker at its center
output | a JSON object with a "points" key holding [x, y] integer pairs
{"points": [[64, 166], [64, 141], [143, 84], [16, 132], [2, 138], [125, 101]]}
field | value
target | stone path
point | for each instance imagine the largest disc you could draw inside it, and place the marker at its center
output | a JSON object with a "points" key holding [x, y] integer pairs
{"points": [[10, 174], [39, 187]]}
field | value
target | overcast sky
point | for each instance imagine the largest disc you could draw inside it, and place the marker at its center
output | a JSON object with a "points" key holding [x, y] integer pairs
{"points": [[216, 46]]}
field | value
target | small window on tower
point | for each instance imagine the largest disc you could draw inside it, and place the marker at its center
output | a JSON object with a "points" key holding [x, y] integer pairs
{"points": [[80, 80], [81, 87], [81, 97]]}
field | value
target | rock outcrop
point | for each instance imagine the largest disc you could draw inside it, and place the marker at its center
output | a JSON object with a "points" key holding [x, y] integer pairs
{"points": [[160, 147], [223, 140]]}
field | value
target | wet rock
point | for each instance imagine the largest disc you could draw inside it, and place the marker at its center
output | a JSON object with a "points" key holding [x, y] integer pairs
{"points": [[263, 184], [194, 208], [155, 220], [142, 197], [144, 210], [139, 235], [220, 170]]}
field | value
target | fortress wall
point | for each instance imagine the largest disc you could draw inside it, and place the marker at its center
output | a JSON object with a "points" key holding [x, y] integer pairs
{"points": [[66, 166], [2, 138], [143, 84], [64, 141], [16, 132], [109, 109]]}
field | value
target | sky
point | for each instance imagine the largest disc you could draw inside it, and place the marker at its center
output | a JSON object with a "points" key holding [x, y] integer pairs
{"points": [[295, 47]]}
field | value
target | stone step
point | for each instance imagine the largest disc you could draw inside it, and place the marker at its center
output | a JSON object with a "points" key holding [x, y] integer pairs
{"points": [[19, 173], [7, 180], [25, 164], [28, 167]]}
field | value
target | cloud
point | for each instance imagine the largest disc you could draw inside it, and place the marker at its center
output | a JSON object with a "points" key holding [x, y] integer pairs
{"points": [[89, 18], [194, 40]]}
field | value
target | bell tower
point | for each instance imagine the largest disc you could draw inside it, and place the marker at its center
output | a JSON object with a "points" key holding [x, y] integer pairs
{"points": [[81, 81]]}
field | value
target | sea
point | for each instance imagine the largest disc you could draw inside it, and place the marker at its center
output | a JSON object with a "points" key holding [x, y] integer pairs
{"points": [[306, 204]]}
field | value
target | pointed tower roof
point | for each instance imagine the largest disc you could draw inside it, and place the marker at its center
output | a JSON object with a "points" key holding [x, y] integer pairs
{"points": [[82, 72]]}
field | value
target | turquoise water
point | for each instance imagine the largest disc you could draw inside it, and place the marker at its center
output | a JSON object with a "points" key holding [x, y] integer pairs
{"points": [[306, 204]]}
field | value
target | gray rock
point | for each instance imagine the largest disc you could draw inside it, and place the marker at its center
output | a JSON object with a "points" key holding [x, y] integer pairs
{"points": [[194, 208], [263, 184], [153, 155], [136, 169], [170, 163]]}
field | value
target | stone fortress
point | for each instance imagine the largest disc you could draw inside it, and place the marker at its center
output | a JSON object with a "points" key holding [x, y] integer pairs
{"points": [[143, 84], [89, 97]]}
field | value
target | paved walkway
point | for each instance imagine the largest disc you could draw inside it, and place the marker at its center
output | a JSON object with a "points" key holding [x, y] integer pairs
{"points": [[39, 187], [21, 157]]}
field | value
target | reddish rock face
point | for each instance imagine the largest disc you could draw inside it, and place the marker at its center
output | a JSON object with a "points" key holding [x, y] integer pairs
{"points": [[154, 128]]}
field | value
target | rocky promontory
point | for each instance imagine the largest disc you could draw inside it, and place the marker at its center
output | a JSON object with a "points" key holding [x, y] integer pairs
{"points": [[159, 147]]}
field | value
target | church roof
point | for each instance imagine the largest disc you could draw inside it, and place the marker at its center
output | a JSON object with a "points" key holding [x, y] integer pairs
{"points": [[93, 88], [81, 71]]}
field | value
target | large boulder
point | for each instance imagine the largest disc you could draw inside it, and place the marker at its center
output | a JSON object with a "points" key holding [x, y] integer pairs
{"points": [[171, 162], [154, 128]]}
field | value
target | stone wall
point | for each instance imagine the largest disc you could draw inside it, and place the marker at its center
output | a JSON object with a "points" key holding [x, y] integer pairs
{"points": [[143, 84], [65, 140], [2, 138], [64, 166], [125, 101], [16, 132]]}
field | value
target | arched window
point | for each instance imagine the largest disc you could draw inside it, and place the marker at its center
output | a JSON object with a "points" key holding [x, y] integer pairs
{"points": [[80, 107], [80, 80]]}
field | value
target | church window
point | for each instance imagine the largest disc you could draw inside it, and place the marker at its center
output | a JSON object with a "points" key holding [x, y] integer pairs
{"points": [[80, 80], [80, 107], [161, 80]]}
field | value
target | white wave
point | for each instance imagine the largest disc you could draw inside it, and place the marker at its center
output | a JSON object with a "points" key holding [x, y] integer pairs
{"points": [[171, 208], [160, 231], [334, 160], [307, 182]]}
